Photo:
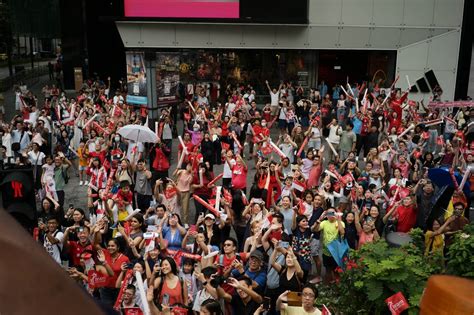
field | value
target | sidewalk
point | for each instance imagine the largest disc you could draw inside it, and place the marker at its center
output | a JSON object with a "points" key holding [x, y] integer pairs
{"points": [[35, 88]]}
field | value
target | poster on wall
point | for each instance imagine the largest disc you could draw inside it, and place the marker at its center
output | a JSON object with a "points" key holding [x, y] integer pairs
{"points": [[167, 77], [136, 78]]}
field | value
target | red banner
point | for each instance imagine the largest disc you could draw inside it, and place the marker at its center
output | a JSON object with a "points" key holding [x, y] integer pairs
{"points": [[132, 311], [397, 303], [451, 104], [96, 279]]}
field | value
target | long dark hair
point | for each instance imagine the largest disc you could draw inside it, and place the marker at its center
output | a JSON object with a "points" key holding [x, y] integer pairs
{"points": [[212, 306]]}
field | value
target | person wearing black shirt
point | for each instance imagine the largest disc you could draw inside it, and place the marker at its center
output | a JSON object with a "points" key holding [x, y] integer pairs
{"points": [[245, 301], [372, 139], [351, 231]]}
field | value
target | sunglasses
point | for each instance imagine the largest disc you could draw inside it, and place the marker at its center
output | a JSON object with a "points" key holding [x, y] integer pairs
{"points": [[226, 245]]}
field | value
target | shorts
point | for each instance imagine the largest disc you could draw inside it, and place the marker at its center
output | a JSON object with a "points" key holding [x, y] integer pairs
{"points": [[82, 168], [274, 109], [282, 124], [329, 262], [315, 243]]}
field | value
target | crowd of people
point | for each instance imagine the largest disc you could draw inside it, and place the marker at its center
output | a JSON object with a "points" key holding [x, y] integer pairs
{"points": [[298, 173]]}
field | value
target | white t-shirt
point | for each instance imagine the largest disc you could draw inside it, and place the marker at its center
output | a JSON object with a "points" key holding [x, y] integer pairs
{"points": [[230, 108], [131, 146], [227, 170], [275, 98], [53, 249], [36, 158], [334, 136], [283, 112]]}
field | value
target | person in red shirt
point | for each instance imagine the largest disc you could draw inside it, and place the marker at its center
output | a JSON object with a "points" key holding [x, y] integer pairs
{"points": [[239, 173], [112, 259], [76, 248], [394, 121], [98, 153], [406, 214], [122, 200], [189, 147], [161, 163], [200, 187]]}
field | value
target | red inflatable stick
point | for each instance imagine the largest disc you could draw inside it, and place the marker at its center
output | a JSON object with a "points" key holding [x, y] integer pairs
{"points": [[212, 182], [305, 142], [206, 205]]}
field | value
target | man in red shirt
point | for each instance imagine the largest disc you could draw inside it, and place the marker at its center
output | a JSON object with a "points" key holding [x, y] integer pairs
{"points": [[76, 248], [406, 214]]}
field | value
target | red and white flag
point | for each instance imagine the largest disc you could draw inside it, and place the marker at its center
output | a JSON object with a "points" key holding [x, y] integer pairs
{"points": [[397, 303]]}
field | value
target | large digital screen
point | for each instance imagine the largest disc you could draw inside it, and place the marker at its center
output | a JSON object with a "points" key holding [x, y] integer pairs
{"points": [[206, 9]]}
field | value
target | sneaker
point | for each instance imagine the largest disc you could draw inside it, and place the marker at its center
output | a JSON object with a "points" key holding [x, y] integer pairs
{"points": [[86, 183], [80, 183]]}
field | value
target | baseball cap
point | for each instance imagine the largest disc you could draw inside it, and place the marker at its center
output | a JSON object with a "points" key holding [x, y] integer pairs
{"points": [[210, 216], [257, 254]]}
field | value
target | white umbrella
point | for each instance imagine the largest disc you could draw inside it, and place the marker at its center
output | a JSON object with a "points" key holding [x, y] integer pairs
{"points": [[138, 133]]}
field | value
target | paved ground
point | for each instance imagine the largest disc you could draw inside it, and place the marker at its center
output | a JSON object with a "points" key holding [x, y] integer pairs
{"points": [[4, 72]]}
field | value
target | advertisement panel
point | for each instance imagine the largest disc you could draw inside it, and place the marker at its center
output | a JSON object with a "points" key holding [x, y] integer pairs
{"points": [[212, 9], [136, 78], [167, 77]]}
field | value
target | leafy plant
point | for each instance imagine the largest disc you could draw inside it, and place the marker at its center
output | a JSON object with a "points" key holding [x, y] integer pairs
{"points": [[374, 273], [377, 271], [460, 255]]}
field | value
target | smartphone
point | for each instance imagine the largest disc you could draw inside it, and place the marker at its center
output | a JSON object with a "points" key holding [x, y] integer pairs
{"points": [[71, 206], [294, 298], [284, 244], [192, 228], [266, 303], [166, 299]]}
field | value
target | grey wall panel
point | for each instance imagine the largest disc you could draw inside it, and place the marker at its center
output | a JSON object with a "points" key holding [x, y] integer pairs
{"points": [[324, 37], [196, 35], [259, 36], [388, 12], [439, 54], [357, 12], [166, 34], [227, 36], [418, 12], [327, 12], [356, 37], [449, 12], [413, 35], [385, 38]]}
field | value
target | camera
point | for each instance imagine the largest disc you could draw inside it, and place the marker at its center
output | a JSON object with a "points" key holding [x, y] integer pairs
{"points": [[217, 281]]}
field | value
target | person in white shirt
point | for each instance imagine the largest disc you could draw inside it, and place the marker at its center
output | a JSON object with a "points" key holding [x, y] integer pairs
{"points": [[334, 137], [53, 238], [118, 99], [21, 136], [135, 150], [227, 173], [275, 98]]}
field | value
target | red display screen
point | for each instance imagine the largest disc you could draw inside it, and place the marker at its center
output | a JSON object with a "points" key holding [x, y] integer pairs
{"points": [[209, 9]]}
